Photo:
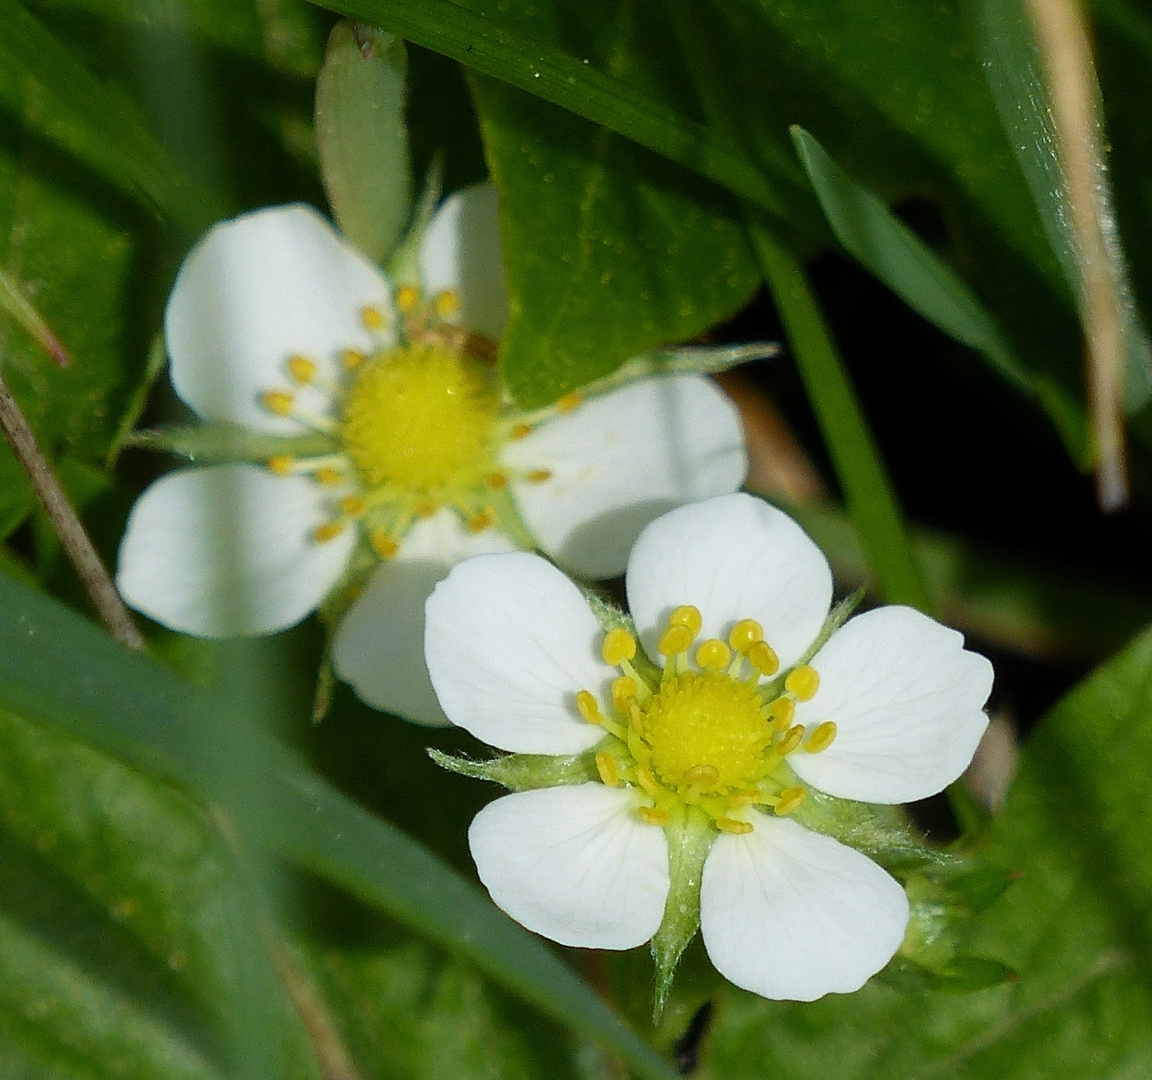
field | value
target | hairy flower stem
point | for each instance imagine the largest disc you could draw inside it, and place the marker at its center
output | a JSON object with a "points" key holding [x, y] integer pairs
{"points": [[73, 537]]}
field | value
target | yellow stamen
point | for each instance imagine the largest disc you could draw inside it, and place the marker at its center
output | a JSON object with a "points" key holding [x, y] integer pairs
{"points": [[619, 645], [745, 634], [372, 318], [803, 682], [328, 531], [302, 369], [744, 798], [713, 655], [791, 740], [588, 706], [676, 639], [790, 799], [731, 825], [635, 717], [383, 544], [623, 691], [520, 431], [539, 476], [407, 297], [496, 481], [279, 402], [821, 738], [703, 775], [478, 522], [427, 509], [569, 402], [353, 506], [780, 713], [329, 476], [646, 780], [281, 464], [447, 303], [606, 767], [687, 616], [653, 815], [352, 359], [763, 658]]}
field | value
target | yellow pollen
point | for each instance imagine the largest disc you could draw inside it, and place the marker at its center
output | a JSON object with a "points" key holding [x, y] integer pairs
{"points": [[623, 691], [353, 506], [569, 402], [653, 815], [328, 531], [702, 775], [302, 369], [279, 402], [496, 481], [731, 825], [803, 682], [713, 655], [676, 639], [423, 417], [281, 465], [606, 767], [372, 318], [763, 658], [687, 616], [821, 738], [646, 780], [521, 431], [383, 544], [706, 720], [329, 476], [588, 707], [352, 359], [447, 303], [407, 298], [745, 634], [790, 799], [619, 645], [791, 740], [539, 476]]}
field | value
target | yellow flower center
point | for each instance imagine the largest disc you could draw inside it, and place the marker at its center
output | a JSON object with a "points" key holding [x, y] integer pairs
{"points": [[421, 417]]}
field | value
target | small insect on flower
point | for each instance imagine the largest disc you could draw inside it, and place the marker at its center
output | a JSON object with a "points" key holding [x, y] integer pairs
{"points": [[695, 740]]}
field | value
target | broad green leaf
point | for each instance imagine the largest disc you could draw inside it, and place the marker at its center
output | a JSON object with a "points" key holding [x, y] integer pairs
{"points": [[126, 940], [1075, 926], [609, 252], [362, 138], [127, 705]]}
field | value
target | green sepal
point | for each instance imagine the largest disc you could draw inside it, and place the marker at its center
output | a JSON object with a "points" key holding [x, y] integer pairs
{"points": [[213, 444], [690, 834], [689, 360], [362, 136], [404, 266], [523, 772], [962, 974]]}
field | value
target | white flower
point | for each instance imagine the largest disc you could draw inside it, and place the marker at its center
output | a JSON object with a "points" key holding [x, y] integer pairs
{"points": [[739, 712], [402, 453]]}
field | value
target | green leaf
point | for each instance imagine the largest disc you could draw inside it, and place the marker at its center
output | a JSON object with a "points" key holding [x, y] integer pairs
{"points": [[362, 138], [127, 705]]}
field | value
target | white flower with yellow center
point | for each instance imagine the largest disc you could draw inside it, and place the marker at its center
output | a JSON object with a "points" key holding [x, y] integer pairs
{"points": [[695, 748], [398, 450]]}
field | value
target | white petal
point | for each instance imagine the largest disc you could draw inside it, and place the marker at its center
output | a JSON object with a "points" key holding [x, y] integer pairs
{"points": [[793, 915], [574, 864], [228, 551], [379, 645], [256, 291], [621, 460], [734, 557], [908, 702], [461, 251], [510, 641]]}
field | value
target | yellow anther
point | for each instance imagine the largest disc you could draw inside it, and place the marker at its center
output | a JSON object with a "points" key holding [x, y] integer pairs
{"points": [[713, 655], [780, 713], [606, 767], [646, 780], [372, 318], [329, 476], [279, 402], [653, 815], [302, 369], [447, 303], [353, 506], [496, 481], [733, 826], [744, 798], [520, 431], [478, 522], [569, 402], [281, 464], [763, 658], [427, 508], [352, 359], [821, 738], [703, 775], [790, 799], [791, 740], [745, 634], [803, 682], [328, 531], [407, 297], [687, 616], [589, 707], [623, 692], [539, 476], [635, 716], [676, 639], [619, 645], [383, 544]]}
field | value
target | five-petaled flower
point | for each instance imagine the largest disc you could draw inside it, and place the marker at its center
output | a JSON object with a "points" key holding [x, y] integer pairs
{"points": [[703, 740], [400, 454]]}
